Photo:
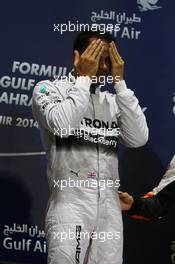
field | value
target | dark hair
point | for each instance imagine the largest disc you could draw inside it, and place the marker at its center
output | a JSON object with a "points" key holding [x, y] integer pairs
{"points": [[81, 42]]}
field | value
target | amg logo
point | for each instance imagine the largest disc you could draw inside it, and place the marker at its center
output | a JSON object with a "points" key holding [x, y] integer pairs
{"points": [[98, 123], [78, 248]]}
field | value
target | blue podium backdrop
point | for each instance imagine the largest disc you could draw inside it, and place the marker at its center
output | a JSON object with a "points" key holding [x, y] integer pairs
{"points": [[34, 46]]}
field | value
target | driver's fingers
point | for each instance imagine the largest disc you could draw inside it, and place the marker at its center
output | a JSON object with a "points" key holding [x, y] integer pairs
{"points": [[123, 194], [112, 58], [94, 48], [115, 52], [98, 52], [90, 49]]}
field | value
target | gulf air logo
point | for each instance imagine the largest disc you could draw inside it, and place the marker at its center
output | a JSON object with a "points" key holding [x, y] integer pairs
{"points": [[146, 5]]}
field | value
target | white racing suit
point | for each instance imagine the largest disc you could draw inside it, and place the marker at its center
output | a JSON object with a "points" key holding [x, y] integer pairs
{"points": [[167, 178], [83, 220]]}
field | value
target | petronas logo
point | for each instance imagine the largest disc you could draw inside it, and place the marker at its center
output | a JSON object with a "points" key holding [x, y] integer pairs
{"points": [[43, 89]]}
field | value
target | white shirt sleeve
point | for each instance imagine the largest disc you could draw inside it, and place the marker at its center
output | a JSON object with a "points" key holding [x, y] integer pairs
{"points": [[167, 178], [132, 121], [55, 113]]}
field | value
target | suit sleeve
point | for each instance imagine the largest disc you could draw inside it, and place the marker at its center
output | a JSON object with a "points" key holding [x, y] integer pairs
{"points": [[132, 121], [156, 206], [56, 113], [167, 178]]}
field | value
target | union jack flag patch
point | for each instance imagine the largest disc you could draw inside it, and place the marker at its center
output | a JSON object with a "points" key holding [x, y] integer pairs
{"points": [[92, 175]]}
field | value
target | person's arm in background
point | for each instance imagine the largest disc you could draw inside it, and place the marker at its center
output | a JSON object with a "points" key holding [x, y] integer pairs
{"points": [[152, 205], [132, 121]]}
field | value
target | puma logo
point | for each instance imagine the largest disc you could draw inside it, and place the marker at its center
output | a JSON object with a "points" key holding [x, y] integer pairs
{"points": [[75, 172]]}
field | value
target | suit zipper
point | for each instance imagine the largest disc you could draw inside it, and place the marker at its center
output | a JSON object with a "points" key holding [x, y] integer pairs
{"points": [[97, 147]]}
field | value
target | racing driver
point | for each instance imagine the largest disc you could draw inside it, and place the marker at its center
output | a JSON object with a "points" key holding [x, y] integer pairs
{"points": [[81, 127]]}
